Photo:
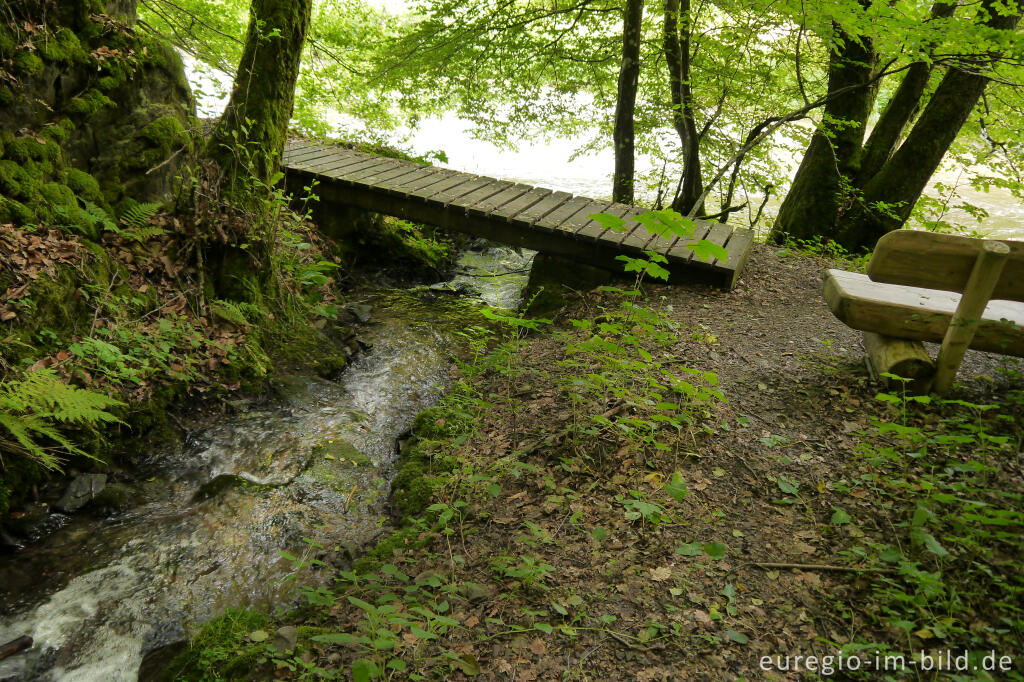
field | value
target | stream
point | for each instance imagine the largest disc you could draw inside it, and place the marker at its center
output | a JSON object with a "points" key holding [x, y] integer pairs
{"points": [[308, 471]]}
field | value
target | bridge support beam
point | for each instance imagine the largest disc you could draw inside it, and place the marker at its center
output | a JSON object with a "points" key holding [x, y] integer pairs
{"points": [[553, 277]]}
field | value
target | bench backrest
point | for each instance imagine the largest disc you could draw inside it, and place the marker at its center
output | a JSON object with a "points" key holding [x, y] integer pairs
{"points": [[941, 261]]}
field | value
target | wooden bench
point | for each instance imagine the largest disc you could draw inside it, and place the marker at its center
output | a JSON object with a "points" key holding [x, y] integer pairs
{"points": [[923, 286]]}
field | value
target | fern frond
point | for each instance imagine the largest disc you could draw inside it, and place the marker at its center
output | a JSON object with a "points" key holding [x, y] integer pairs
{"points": [[229, 312], [101, 216], [32, 408], [136, 215]]}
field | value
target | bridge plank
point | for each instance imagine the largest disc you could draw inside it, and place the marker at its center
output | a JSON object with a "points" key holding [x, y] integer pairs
{"points": [[297, 154], [717, 234], [488, 205], [471, 184], [392, 178], [532, 197], [435, 175], [369, 175], [314, 160], [738, 247], [635, 237], [398, 185], [678, 250], [552, 221], [483, 193], [590, 229], [333, 166], [534, 215], [451, 179]]}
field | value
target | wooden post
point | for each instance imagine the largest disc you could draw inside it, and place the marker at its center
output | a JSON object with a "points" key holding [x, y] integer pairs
{"points": [[987, 270], [902, 357], [14, 646]]}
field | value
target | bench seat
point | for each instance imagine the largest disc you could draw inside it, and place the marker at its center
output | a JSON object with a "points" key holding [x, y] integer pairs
{"points": [[919, 314]]}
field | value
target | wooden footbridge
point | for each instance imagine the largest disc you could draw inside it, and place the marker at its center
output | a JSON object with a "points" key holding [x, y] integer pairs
{"points": [[509, 212]]}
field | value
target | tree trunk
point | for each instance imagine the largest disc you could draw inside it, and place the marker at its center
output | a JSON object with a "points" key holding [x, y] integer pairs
{"points": [[821, 187], [625, 104], [900, 111], [890, 195], [250, 136], [677, 30]]}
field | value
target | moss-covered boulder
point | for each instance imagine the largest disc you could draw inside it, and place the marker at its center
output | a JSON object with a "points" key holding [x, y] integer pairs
{"points": [[97, 113]]}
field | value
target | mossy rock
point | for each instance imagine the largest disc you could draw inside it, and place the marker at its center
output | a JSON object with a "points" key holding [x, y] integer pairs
{"points": [[59, 132], [26, 149], [84, 185], [436, 423], [330, 366], [63, 47], [12, 211], [114, 497], [88, 104], [14, 181], [341, 450], [27, 64], [58, 195], [223, 643]]}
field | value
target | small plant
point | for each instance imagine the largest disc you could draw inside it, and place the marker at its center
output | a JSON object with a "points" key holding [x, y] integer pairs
{"points": [[33, 410]]}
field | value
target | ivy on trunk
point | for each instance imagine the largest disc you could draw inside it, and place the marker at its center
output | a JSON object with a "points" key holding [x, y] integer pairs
{"points": [[250, 136], [854, 192]]}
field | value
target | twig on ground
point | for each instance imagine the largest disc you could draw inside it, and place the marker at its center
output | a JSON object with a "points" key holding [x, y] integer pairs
{"points": [[820, 567]]}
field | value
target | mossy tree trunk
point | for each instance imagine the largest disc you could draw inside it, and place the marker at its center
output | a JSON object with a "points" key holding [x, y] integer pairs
{"points": [[676, 36], [819, 188], [625, 104], [900, 111], [890, 195], [250, 137], [853, 193]]}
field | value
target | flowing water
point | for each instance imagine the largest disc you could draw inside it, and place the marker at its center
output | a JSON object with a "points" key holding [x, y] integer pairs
{"points": [[311, 468]]}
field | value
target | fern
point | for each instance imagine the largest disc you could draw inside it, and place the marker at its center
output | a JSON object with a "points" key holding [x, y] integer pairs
{"points": [[229, 312], [101, 216], [34, 408], [136, 215], [136, 218]]}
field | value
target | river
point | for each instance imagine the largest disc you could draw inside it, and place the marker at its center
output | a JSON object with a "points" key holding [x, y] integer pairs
{"points": [[307, 473]]}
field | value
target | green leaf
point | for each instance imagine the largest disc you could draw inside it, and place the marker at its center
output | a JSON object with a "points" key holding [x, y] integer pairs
{"points": [[363, 670], [676, 487], [544, 627], [468, 665], [690, 549], [787, 486], [599, 533], [737, 637], [608, 221], [839, 517], [259, 636], [716, 550]]}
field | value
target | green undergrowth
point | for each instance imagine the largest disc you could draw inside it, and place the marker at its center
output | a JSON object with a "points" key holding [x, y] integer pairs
{"points": [[399, 610], [826, 249], [943, 472]]}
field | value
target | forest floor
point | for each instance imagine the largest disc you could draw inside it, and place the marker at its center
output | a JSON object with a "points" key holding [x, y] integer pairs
{"points": [[787, 519]]}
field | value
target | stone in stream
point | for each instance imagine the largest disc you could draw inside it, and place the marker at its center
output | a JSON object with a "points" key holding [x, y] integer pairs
{"points": [[82, 490], [285, 639]]}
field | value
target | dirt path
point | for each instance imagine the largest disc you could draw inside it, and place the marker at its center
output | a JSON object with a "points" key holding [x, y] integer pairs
{"points": [[577, 553]]}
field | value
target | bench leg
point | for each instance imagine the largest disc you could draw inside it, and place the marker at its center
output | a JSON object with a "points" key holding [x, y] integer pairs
{"points": [[902, 357], [987, 269]]}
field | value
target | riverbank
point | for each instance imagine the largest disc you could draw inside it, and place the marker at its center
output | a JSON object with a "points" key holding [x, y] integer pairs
{"points": [[676, 489]]}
